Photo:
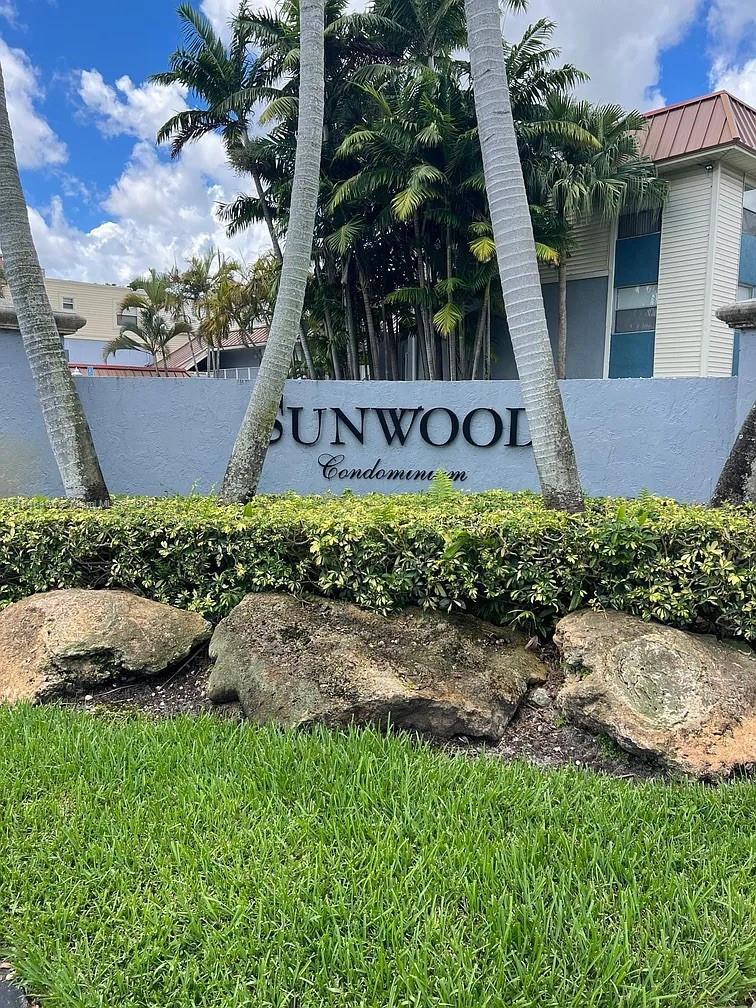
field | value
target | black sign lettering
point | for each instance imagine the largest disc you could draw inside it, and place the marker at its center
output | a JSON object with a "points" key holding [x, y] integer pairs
{"points": [[453, 426], [514, 416], [397, 431], [498, 428], [295, 414], [341, 417]]}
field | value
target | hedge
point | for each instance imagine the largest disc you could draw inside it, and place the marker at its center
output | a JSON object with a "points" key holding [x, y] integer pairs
{"points": [[498, 554]]}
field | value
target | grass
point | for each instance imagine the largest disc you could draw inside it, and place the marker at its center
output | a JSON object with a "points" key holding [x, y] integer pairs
{"points": [[197, 863]]}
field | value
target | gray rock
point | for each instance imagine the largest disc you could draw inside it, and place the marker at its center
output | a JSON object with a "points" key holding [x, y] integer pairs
{"points": [[686, 700], [11, 996], [60, 642], [295, 663], [540, 697]]}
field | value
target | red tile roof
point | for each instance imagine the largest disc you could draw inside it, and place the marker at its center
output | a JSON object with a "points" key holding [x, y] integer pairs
{"points": [[126, 371], [186, 355], [701, 124]]}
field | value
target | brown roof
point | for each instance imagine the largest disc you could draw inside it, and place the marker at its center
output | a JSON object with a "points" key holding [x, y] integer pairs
{"points": [[126, 371], [195, 350], [701, 124]]}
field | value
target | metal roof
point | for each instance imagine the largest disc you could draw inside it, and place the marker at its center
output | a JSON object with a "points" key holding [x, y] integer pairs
{"points": [[701, 124], [195, 350], [126, 371]]}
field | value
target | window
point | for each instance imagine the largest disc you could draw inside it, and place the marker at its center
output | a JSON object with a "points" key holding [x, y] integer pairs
{"points": [[639, 222], [128, 315], [745, 293], [749, 210], [635, 309], [68, 303]]}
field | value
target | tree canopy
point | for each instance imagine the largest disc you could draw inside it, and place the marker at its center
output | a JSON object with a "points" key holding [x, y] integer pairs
{"points": [[404, 279]]}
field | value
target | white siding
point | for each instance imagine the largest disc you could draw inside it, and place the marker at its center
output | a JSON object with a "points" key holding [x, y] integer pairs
{"points": [[683, 274], [591, 255], [725, 264]]}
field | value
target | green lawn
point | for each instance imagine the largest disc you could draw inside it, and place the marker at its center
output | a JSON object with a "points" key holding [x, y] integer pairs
{"points": [[197, 863]]}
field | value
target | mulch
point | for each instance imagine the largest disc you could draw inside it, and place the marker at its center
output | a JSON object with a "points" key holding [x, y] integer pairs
{"points": [[536, 735]]}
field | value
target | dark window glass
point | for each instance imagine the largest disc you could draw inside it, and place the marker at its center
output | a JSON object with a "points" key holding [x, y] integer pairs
{"points": [[749, 222], [639, 222], [635, 320]]}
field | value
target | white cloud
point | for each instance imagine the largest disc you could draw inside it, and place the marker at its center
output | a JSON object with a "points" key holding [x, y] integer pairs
{"points": [[740, 81], [158, 213], [732, 32], [8, 11], [36, 143], [618, 43], [126, 108], [220, 12], [731, 23]]}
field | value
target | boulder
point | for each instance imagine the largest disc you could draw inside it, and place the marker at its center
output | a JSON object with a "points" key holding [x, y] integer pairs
{"points": [[299, 662], [59, 643], [685, 700]]}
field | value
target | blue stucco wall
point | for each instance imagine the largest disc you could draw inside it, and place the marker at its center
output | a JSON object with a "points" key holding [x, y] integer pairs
{"points": [[586, 329], [167, 436], [85, 351]]}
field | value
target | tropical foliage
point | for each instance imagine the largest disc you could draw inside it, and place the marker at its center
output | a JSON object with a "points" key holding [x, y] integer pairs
{"points": [[404, 280], [150, 332], [502, 555], [207, 301]]}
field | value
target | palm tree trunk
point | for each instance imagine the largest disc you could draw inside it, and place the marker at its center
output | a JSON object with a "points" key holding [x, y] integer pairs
{"points": [[518, 269], [370, 320], [268, 217], [67, 426], [427, 329], [246, 463], [391, 347], [462, 344], [328, 324], [487, 345], [353, 351], [480, 331], [453, 334], [561, 367], [335, 362], [304, 342]]}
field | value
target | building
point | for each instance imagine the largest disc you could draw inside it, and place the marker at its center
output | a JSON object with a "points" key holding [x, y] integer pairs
{"points": [[239, 355], [100, 305], [643, 292]]}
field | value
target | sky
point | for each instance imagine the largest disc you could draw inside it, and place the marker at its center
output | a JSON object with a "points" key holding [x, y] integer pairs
{"points": [[106, 203]]}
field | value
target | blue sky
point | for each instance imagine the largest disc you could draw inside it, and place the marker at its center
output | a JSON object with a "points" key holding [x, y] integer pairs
{"points": [[106, 203]]}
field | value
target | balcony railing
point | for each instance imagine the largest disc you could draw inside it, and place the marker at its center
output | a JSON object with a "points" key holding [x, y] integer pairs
{"points": [[230, 374]]}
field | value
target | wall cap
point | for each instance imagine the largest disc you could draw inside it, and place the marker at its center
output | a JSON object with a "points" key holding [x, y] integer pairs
{"points": [[739, 315], [66, 321]]}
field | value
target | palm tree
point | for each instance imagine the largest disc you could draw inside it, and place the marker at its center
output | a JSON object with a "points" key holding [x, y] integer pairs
{"points": [[245, 465], [155, 290], [576, 179], [151, 333], [518, 269], [67, 426], [227, 83]]}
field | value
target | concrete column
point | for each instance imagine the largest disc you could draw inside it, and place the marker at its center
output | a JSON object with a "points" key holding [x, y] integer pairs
{"points": [[738, 480]]}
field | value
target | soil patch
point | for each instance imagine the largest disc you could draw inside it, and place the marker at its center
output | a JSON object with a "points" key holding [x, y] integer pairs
{"points": [[537, 734]]}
